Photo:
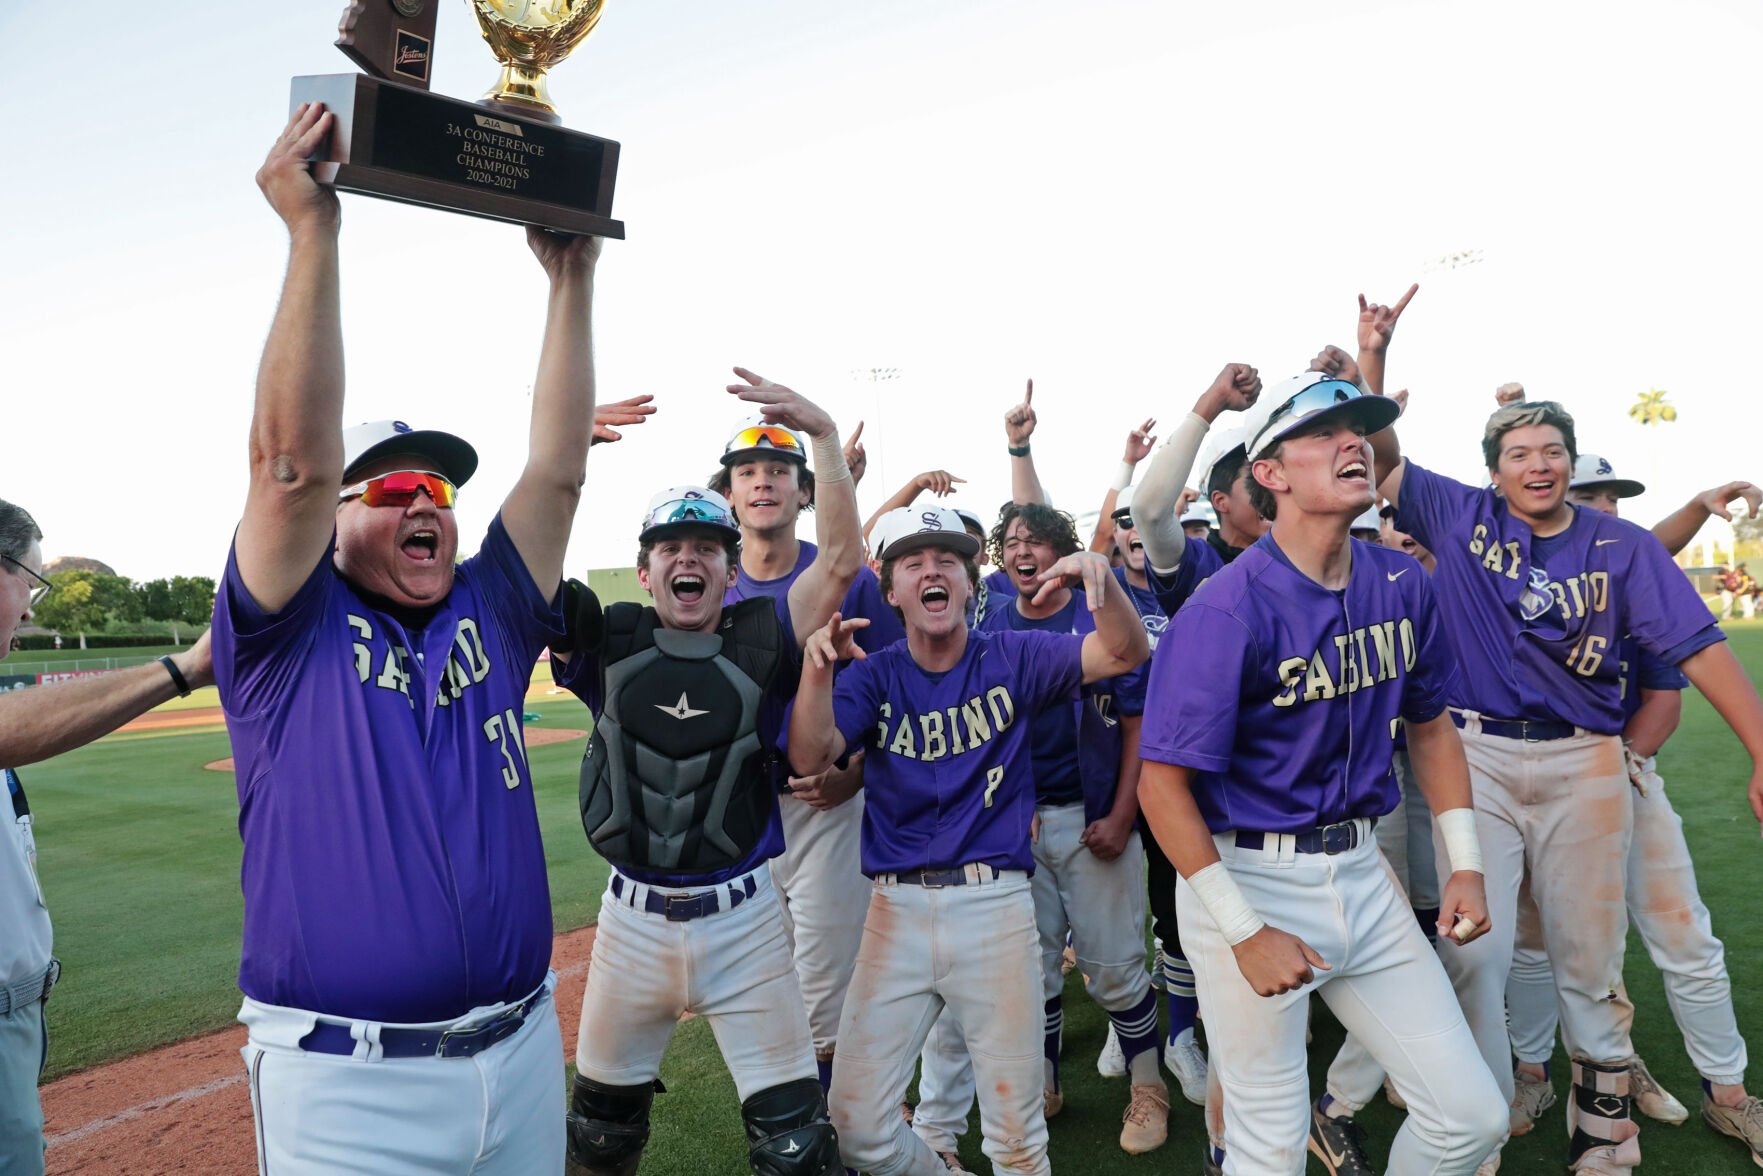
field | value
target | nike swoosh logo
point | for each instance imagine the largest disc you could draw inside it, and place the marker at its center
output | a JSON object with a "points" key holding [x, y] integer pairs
{"points": [[1601, 542], [1398, 575], [1335, 1159]]}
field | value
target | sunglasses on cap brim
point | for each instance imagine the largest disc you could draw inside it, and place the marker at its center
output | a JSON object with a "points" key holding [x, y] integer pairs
{"points": [[400, 488], [688, 510], [1311, 402], [766, 437]]}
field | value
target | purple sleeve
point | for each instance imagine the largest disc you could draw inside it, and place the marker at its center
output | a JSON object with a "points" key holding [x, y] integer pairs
{"points": [[1191, 718], [1049, 666], [1655, 673], [1662, 608], [1430, 505], [1434, 676], [526, 619], [857, 695], [258, 655], [1198, 561]]}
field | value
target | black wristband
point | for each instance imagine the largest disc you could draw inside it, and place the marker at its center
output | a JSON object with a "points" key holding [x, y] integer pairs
{"points": [[181, 683], [1018, 452]]}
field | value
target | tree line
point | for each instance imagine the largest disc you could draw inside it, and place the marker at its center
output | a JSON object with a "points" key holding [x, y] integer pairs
{"points": [[85, 602]]}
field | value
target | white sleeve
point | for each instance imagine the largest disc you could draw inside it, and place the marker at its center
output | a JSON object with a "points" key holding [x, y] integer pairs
{"points": [[1153, 503]]}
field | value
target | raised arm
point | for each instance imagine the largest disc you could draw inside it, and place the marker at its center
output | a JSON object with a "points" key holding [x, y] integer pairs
{"points": [[1679, 528], [296, 445], [1139, 443], [838, 530], [1377, 326], [938, 482], [1717, 673], [815, 742], [1019, 426], [45, 721], [540, 510], [1154, 510]]}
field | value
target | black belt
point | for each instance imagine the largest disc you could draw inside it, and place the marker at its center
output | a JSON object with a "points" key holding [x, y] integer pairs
{"points": [[425, 1043], [680, 908], [1329, 839], [1527, 730], [958, 876]]}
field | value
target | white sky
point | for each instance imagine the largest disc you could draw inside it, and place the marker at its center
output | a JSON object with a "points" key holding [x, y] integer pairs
{"points": [[1115, 198]]}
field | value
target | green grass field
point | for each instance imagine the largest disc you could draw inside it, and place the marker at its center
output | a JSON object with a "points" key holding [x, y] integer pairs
{"points": [[140, 854]]}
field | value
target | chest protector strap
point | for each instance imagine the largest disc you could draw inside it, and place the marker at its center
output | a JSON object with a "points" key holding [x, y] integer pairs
{"points": [[676, 776]]}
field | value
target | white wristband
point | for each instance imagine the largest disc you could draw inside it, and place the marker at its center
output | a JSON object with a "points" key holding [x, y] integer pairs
{"points": [[1122, 476], [1218, 893], [1462, 846], [829, 460]]}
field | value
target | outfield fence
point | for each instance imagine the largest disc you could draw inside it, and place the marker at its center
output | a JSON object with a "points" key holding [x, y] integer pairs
{"points": [[15, 674]]}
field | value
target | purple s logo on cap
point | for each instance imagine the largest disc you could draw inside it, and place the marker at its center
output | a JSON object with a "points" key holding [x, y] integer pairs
{"points": [[401, 427], [932, 520]]}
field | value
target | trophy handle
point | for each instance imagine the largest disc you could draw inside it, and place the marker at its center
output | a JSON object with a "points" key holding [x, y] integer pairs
{"points": [[522, 89]]}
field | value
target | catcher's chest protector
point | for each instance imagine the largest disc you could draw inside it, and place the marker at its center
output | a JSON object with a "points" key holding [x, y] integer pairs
{"points": [[676, 777]]}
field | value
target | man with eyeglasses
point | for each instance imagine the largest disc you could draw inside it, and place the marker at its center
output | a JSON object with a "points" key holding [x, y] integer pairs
{"points": [[1264, 779], [36, 724], [397, 926]]}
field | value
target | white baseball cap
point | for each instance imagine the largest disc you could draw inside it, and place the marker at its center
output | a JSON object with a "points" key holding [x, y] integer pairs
{"points": [[753, 437], [1199, 512], [372, 440], [910, 527], [1122, 503], [1370, 520], [970, 518], [1314, 397], [1591, 470]]}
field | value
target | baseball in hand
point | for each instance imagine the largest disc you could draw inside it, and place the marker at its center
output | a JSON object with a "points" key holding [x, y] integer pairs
{"points": [[1464, 929]]}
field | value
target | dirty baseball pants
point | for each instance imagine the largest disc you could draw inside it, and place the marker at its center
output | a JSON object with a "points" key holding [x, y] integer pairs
{"points": [[973, 950], [1102, 904], [495, 1113], [1559, 813], [1667, 910], [1384, 985], [731, 968], [24, 1047], [824, 895]]}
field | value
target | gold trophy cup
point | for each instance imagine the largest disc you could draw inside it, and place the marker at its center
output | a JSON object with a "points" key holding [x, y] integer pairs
{"points": [[528, 38]]}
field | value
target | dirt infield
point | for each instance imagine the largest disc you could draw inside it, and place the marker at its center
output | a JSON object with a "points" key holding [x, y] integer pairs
{"points": [[207, 716], [535, 737], [186, 1109]]}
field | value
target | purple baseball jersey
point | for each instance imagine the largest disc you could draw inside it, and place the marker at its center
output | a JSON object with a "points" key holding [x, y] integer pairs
{"points": [[1537, 623], [947, 778], [392, 869], [582, 676], [1146, 603], [1289, 726], [1199, 561], [862, 599], [996, 589], [1075, 744], [1643, 671]]}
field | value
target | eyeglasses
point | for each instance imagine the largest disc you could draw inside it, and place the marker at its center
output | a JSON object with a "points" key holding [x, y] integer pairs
{"points": [[766, 437], [42, 588], [400, 488], [1318, 396], [1123, 522]]}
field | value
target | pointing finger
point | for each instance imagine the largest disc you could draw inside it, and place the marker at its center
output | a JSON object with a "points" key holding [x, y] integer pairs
{"points": [[1028, 396], [1396, 311], [751, 377], [856, 433]]}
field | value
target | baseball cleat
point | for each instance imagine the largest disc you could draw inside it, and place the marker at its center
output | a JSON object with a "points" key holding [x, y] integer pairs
{"points": [[1394, 1096], [1111, 1062], [1531, 1096], [1743, 1122], [1339, 1144], [952, 1162], [1651, 1099], [1184, 1058], [1145, 1126], [1052, 1102]]}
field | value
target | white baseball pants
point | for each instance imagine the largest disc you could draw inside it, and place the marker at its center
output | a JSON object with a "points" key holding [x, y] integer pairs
{"points": [[497, 1113], [1102, 904], [973, 950], [1560, 814], [824, 894], [1667, 909], [1385, 986], [732, 968]]}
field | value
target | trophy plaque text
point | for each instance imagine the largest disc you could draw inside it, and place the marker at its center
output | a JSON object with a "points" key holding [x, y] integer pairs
{"points": [[506, 158]]}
